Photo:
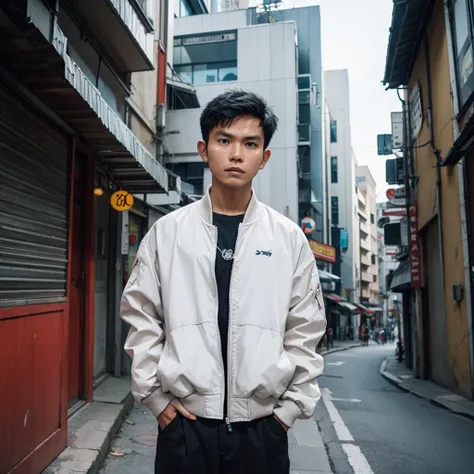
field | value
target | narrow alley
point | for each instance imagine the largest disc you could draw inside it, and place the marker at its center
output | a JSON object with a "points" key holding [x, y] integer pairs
{"points": [[363, 424]]}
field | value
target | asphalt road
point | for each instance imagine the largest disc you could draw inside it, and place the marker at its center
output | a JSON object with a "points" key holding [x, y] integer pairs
{"points": [[393, 432]]}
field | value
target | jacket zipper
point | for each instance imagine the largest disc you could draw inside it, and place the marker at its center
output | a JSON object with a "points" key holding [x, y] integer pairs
{"points": [[226, 416], [229, 337]]}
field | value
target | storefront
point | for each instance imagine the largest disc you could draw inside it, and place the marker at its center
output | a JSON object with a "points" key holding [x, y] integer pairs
{"points": [[36, 160]]}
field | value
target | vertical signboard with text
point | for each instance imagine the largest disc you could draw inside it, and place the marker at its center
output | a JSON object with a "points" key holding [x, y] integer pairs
{"points": [[415, 253]]}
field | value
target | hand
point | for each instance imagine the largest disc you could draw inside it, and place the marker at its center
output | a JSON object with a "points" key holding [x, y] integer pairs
{"points": [[286, 428], [171, 412]]}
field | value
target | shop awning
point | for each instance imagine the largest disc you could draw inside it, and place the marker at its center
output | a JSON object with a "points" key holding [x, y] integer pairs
{"points": [[333, 297], [376, 309], [409, 20], [401, 278], [326, 276], [364, 309], [348, 306], [463, 145], [51, 74]]}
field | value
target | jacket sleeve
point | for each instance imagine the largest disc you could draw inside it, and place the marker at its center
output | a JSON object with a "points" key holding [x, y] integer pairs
{"points": [[305, 326], [141, 307]]}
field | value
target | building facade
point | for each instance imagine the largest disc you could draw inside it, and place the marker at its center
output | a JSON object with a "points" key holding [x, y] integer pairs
{"points": [[211, 53], [368, 267], [312, 166], [438, 101], [66, 148], [342, 182]]}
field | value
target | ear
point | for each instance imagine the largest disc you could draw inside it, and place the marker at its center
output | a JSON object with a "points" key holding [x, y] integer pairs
{"points": [[266, 156], [202, 150]]}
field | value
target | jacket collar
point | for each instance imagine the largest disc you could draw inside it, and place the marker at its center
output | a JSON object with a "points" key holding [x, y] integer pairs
{"points": [[204, 208]]}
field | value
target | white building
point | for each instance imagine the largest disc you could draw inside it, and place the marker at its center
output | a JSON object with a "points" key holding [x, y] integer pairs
{"points": [[341, 171], [368, 285], [214, 54]]}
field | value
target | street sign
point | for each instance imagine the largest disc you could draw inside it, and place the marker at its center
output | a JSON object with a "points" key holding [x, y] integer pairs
{"points": [[394, 172], [404, 230], [397, 130], [121, 200], [384, 145], [401, 211], [308, 225], [415, 254]]}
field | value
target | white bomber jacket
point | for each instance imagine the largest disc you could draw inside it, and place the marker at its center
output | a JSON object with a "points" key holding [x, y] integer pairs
{"points": [[276, 318]]}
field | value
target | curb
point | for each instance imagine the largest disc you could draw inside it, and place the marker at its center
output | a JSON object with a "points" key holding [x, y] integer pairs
{"points": [[436, 401], [338, 349]]}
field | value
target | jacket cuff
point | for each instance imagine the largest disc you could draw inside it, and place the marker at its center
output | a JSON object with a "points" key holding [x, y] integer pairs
{"points": [[157, 401], [287, 412]]}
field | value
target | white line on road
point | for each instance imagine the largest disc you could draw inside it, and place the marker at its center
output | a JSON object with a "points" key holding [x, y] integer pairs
{"points": [[356, 459], [342, 431], [338, 363], [347, 400]]}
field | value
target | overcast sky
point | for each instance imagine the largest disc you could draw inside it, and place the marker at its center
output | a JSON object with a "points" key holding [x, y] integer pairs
{"points": [[355, 37]]}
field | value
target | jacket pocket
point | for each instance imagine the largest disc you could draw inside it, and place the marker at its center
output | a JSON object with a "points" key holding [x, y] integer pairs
{"points": [[261, 367], [190, 361]]}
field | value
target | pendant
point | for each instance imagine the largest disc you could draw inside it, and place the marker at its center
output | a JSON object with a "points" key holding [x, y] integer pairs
{"points": [[227, 254]]}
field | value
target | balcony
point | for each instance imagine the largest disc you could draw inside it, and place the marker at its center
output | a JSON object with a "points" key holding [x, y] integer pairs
{"points": [[364, 245], [124, 28], [364, 260], [366, 277], [364, 228]]}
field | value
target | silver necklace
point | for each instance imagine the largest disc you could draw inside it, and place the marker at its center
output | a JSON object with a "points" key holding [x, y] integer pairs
{"points": [[227, 254]]}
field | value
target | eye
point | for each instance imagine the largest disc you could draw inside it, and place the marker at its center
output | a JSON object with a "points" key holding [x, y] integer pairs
{"points": [[224, 141], [252, 144]]}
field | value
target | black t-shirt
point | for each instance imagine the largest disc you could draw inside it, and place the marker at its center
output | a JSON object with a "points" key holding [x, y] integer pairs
{"points": [[227, 227]]}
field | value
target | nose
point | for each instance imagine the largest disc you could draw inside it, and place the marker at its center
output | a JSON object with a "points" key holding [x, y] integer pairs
{"points": [[236, 153]]}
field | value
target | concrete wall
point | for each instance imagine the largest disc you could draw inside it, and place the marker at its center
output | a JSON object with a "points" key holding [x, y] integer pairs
{"points": [[455, 325], [336, 90], [273, 80]]}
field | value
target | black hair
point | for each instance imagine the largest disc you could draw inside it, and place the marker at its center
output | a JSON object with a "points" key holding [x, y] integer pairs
{"points": [[226, 107]]}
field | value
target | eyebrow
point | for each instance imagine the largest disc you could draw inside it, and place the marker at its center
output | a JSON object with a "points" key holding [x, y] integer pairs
{"points": [[222, 133]]}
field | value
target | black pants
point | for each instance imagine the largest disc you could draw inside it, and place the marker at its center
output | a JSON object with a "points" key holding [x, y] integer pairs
{"points": [[207, 447]]}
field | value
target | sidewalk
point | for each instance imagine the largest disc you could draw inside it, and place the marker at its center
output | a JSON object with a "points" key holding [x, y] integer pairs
{"points": [[398, 374], [133, 450], [93, 428]]}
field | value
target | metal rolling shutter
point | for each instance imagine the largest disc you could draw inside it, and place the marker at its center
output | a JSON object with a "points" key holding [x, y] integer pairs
{"points": [[33, 205]]}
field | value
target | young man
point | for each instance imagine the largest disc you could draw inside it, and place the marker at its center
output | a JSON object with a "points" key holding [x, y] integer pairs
{"points": [[226, 310]]}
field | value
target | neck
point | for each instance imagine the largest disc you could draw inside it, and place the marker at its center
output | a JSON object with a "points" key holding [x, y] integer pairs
{"points": [[230, 202]]}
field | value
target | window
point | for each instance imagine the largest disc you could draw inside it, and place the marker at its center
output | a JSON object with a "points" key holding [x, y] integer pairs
{"points": [[335, 210], [304, 113], [463, 38], [208, 73], [375, 279], [372, 258], [333, 131], [182, 8], [304, 82], [372, 218], [333, 169]]}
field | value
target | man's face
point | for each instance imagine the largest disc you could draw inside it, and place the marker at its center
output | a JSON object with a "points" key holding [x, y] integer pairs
{"points": [[236, 153]]}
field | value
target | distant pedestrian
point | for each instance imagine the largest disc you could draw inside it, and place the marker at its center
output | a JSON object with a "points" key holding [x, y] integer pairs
{"points": [[226, 312]]}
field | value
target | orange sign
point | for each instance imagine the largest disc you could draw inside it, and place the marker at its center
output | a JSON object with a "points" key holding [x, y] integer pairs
{"points": [[323, 251], [121, 200]]}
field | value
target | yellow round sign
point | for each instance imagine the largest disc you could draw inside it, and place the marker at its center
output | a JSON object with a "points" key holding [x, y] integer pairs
{"points": [[121, 200]]}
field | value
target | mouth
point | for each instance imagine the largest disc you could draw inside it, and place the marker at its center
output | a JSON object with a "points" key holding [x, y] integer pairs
{"points": [[234, 170]]}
